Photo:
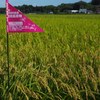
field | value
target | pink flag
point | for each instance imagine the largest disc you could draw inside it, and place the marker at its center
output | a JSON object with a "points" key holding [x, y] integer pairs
{"points": [[18, 22]]}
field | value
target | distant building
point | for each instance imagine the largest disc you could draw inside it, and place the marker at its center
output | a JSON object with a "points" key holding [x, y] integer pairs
{"points": [[98, 11], [51, 12], [89, 12], [83, 11], [74, 11]]}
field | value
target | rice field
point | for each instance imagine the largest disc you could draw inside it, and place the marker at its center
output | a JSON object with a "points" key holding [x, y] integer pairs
{"points": [[63, 63]]}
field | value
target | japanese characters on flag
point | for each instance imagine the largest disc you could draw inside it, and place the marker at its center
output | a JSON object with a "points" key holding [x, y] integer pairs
{"points": [[18, 22]]}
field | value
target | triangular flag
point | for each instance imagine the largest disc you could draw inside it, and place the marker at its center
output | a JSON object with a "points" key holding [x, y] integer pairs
{"points": [[18, 22]]}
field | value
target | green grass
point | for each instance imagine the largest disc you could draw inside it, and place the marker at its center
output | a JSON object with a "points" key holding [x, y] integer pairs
{"points": [[63, 63]]}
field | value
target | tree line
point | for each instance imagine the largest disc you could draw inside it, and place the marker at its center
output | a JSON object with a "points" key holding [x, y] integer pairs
{"points": [[94, 5]]}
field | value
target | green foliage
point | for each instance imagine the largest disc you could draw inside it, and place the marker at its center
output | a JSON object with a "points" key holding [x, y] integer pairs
{"points": [[95, 2], [63, 63], [80, 5]]}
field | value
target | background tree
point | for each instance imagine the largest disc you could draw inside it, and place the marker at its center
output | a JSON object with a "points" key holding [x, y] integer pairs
{"points": [[80, 5], [95, 2], [63, 7]]}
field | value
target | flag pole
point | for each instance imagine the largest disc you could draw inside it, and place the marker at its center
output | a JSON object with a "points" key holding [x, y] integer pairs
{"points": [[8, 67], [7, 37]]}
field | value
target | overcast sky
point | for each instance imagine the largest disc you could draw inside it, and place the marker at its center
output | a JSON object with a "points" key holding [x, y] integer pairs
{"points": [[38, 2]]}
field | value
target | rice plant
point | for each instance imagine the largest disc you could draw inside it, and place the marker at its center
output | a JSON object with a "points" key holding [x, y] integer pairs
{"points": [[63, 63]]}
